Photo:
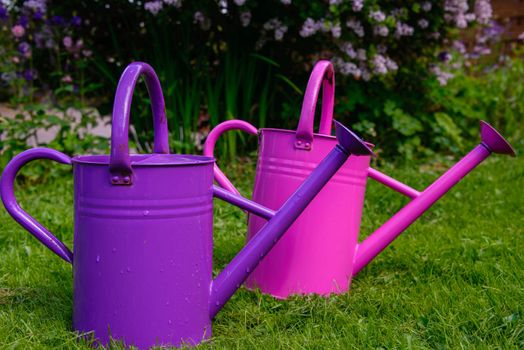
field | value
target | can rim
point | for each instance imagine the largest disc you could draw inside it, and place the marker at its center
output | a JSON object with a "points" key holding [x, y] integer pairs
{"points": [[316, 135], [144, 160]]}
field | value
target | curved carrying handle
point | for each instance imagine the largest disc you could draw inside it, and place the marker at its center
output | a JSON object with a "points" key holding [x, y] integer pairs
{"points": [[209, 147], [119, 163], [22, 217], [322, 75]]}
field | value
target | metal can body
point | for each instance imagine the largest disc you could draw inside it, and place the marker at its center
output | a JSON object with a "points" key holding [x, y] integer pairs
{"points": [[143, 254], [316, 254]]}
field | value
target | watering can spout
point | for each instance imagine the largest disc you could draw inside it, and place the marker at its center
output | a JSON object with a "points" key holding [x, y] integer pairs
{"points": [[492, 142], [230, 279]]}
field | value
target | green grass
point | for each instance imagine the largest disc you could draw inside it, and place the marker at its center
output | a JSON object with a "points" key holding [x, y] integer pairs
{"points": [[454, 279]]}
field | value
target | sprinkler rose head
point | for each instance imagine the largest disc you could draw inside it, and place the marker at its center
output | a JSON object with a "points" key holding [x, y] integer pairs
{"points": [[350, 142], [494, 141]]}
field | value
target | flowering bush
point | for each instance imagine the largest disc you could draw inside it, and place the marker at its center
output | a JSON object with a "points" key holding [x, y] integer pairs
{"points": [[248, 59], [41, 50], [363, 38]]}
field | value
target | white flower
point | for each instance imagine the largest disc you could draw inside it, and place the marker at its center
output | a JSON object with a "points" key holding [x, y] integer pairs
{"points": [[426, 6], [245, 18], [378, 16], [153, 6], [381, 30], [309, 28], [175, 3]]}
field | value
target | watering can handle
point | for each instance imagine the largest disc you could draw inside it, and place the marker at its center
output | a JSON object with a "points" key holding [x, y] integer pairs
{"points": [[322, 75], [21, 216], [209, 147], [119, 163]]}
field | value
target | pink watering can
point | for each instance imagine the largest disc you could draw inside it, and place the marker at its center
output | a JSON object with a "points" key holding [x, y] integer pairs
{"points": [[142, 261], [320, 252]]}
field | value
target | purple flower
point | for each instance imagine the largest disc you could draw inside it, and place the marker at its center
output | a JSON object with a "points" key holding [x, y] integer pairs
{"points": [[423, 23], [381, 30], [357, 5], [29, 75], [444, 56], [521, 36], [38, 15], [279, 33], [240, 2], [153, 6], [382, 49], [68, 42], [286, 2], [459, 46], [36, 5], [336, 31], [347, 48], [361, 54], [309, 28], [67, 79], [174, 3], [379, 64], [403, 29], [222, 5], [198, 17], [391, 65], [245, 18], [58, 20], [441, 76], [335, 2], [356, 26], [76, 21], [25, 49], [3, 13], [483, 11], [8, 76], [23, 21], [346, 68], [378, 16], [426, 6]]}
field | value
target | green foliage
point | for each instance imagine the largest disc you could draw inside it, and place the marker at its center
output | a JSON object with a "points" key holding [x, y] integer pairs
{"points": [[18, 133], [409, 121]]}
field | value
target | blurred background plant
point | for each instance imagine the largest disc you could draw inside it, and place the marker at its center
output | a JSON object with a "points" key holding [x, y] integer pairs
{"points": [[413, 77]]}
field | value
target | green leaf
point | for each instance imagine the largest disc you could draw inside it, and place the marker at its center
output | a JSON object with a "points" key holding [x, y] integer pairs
{"points": [[402, 122], [449, 127]]}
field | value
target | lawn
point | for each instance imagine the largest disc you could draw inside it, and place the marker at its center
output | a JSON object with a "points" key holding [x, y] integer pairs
{"points": [[455, 279]]}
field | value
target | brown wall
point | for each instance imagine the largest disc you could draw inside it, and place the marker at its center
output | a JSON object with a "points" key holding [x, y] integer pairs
{"points": [[510, 13]]}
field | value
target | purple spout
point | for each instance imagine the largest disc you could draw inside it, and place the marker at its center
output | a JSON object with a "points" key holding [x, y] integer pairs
{"points": [[230, 279], [349, 141]]}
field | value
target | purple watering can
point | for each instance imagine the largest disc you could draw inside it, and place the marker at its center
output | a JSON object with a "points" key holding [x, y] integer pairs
{"points": [[142, 262], [320, 252]]}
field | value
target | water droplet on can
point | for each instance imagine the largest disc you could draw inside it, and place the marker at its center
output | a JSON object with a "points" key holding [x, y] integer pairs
{"points": [[98, 258]]}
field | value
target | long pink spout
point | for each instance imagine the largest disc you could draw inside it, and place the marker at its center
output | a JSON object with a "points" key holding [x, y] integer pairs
{"points": [[492, 142]]}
